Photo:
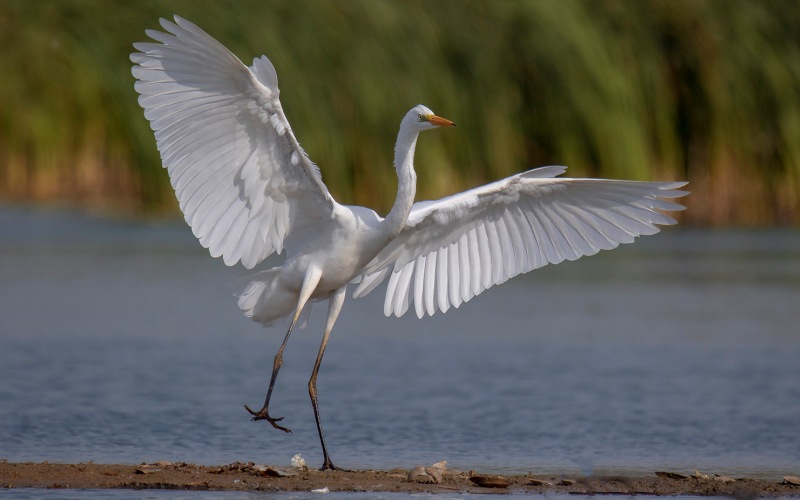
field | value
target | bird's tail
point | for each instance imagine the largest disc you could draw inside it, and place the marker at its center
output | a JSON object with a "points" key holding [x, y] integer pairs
{"points": [[262, 299]]}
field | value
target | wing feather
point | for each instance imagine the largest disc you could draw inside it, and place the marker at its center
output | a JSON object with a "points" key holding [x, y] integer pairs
{"points": [[430, 283], [464, 270], [525, 240], [546, 242], [495, 251], [508, 259], [578, 218], [453, 276], [454, 248], [368, 283], [241, 178], [391, 288], [475, 263], [419, 285], [402, 301], [442, 279], [485, 257]]}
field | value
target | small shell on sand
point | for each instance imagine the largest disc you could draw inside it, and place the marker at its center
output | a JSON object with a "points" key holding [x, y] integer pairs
{"points": [[298, 462], [441, 465], [429, 475], [420, 475]]}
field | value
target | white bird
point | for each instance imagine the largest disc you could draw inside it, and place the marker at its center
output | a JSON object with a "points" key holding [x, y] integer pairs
{"points": [[248, 190]]}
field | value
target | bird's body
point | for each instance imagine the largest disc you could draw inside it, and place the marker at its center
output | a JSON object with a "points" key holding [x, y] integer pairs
{"points": [[329, 251], [248, 190]]}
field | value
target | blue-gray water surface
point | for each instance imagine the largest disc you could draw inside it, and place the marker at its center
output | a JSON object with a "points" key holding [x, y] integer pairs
{"points": [[120, 343]]}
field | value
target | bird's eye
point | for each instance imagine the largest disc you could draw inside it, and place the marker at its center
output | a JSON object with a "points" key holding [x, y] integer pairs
{"points": [[422, 117]]}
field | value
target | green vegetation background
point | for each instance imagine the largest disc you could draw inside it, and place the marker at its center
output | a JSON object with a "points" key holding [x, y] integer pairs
{"points": [[700, 90]]}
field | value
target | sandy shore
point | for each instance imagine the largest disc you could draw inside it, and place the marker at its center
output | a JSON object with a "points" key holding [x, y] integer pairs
{"points": [[252, 477]]}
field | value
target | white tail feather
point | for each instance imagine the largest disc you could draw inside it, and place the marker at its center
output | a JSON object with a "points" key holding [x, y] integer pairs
{"points": [[263, 300]]}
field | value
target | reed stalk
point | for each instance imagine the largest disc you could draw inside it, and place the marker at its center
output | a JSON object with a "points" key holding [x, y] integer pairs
{"points": [[702, 90]]}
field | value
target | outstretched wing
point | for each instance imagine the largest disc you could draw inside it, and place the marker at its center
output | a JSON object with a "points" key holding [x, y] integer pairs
{"points": [[244, 184], [454, 248]]}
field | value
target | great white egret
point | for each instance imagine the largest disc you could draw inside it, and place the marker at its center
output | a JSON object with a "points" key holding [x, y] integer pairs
{"points": [[248, 190]]}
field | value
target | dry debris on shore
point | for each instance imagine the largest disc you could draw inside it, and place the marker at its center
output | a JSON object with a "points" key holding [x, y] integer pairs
{"points": [[436, 478]]}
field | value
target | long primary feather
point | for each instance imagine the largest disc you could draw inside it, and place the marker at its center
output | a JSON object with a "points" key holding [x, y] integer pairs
{"points": [[240, 176], [509, 227]]}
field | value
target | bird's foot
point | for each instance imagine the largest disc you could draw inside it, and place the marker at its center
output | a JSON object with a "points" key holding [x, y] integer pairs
{"points": [[262, 414], [328, 465]]}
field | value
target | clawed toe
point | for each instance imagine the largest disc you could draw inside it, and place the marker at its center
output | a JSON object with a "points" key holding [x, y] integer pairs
{"points": [[264, 415]]}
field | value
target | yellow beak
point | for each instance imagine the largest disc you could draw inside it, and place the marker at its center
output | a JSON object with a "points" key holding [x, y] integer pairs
{"points": [[439, 121]]}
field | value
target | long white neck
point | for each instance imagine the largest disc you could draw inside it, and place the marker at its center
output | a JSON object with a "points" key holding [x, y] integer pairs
{"points": [[406, 179]]}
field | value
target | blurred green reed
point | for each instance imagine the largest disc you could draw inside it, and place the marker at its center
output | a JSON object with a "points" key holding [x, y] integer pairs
{"points": [[704, 90]]}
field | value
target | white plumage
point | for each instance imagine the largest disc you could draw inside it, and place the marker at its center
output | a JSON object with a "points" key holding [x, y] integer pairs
{"points": [[248, 190], [229, 169], [452, 249]]}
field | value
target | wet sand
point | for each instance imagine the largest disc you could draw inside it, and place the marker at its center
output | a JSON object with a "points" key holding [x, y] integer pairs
{"points": [[252, 477]]}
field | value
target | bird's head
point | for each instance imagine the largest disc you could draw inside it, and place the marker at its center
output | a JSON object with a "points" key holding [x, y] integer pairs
{"points": [[422, 118]]}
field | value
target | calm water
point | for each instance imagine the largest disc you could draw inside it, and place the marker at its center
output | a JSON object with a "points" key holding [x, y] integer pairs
{"points": [[119, 342]]}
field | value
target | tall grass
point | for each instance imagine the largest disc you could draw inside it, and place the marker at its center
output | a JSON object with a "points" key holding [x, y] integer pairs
{"points": [[704, 90]]}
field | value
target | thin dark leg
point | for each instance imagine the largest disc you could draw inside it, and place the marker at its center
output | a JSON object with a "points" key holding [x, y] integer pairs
{"points": [[335, 305], [310, 282], [263, 413]]}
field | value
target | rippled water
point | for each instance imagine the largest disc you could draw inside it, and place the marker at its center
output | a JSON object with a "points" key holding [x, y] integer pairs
{"points": [[119, 342]]}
